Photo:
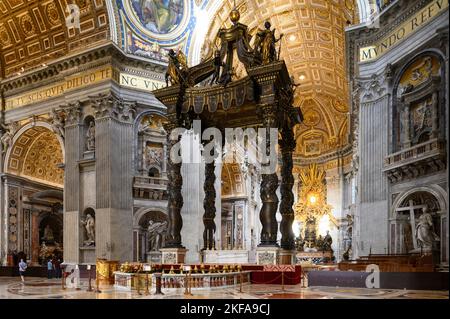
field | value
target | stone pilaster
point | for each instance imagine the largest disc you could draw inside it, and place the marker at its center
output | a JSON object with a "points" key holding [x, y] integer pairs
{"points": [[113, 179], [71, 218]]}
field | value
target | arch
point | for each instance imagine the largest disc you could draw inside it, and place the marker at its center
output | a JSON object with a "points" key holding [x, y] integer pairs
{"points": [[56, 223], [396, 98], [437, 191], [140, 116], [433, 52], [233, 181], [154, 172], [36, 153], [140, 213]]}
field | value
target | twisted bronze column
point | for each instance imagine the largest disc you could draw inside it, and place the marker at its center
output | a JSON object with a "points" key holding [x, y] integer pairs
{"points": [[287, 145], [269, 185], [209, 204], [175, 198]]}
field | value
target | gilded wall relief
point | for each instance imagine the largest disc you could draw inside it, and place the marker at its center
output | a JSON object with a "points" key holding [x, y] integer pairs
{"points": [[418, 72], [34, 32], [37, 154]]}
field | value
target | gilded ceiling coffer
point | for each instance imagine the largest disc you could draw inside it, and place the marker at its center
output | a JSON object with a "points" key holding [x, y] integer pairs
{"points": [[262, 99]]}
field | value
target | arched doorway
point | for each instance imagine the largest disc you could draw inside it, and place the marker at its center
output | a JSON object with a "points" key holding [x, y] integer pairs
{"points": [[150, 229], [33, 183], [234, 207], [408, 216]]}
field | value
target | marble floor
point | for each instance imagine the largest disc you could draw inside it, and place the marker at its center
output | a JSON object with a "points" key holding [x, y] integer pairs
{"points": [[39, 288]]}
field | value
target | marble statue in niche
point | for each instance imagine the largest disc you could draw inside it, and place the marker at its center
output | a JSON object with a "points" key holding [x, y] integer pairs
{"points": [[48, 234], [90, 137], [424, 232], [89, 225], [156, 232]]}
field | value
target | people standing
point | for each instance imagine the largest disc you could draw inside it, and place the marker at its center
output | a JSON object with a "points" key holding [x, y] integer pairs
{"points": [[57, 266], [49, 269], [22, 268]]}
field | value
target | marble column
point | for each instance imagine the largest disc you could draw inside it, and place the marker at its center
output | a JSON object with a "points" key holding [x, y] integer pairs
{"points": [[35, 237], [287, 144], [209, 204]]}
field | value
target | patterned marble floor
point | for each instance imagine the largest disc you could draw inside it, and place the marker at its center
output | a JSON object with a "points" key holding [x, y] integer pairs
{"points": [[39, 288]]}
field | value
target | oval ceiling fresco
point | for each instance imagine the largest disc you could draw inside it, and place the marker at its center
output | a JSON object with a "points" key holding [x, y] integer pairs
{"points": [[159, 16], [160, 20]]}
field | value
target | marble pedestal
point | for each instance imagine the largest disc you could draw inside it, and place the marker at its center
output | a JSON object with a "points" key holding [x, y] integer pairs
{"points": [[287, 257], [237, 256], [154, 257], [267, 255], [173, 255]]}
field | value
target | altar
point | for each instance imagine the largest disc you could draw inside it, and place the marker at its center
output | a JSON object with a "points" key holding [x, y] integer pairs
{"points": [[261, 102], [234, 256]]}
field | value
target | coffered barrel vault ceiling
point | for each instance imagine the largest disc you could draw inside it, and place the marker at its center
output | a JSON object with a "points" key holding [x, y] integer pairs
{"points": [[34, 32], [314, 50]]}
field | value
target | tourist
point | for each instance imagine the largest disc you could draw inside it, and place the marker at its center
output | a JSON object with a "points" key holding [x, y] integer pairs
{"points": [[57, 265], [22, 267], [49, 269]]}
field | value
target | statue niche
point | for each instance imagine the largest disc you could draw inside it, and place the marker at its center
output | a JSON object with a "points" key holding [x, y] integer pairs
{"points": [[152, 233], [156, 232], [88, 223], [417, 102], [90, 134], [50, 237]]}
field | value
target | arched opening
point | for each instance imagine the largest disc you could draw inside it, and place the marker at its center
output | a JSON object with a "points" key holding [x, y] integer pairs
{"points": [[233, 206], [150, 233], [153, 172], [34, 181], [417, 226], [88, 221], [50, 237]]}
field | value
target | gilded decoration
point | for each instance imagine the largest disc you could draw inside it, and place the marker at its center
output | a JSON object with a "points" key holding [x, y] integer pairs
{"points": [[313, 48], [232, 180], [37, 154], [39, 33], [419, 72], [152, 28], [312, 202]]}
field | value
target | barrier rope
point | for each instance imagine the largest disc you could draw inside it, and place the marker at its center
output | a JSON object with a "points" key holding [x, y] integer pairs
{"points": [[267, 282]]}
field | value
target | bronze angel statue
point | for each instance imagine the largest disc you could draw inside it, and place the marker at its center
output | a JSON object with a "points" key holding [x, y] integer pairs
{"points": [[265, 43], [176, 70]]}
